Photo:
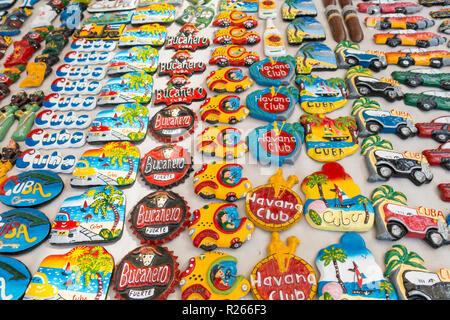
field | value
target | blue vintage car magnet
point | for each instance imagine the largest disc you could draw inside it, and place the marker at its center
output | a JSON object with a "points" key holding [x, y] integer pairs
{"points": [[72, 72], [32, 159], [61, 139], [154, 13], [48, 118], [83, 45], [126, 122], [277, 143], [56, 101], [22, 229], [77, 58], [116, 163], [138, 58], [305, 29], [97, 215], [71, 87], [272, 104], [29, 189], [130, 87], [315, 56], [276, 72], [14, 278], [148, 34]]}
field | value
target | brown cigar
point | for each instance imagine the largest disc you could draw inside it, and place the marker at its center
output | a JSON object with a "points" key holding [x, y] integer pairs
{"points": [[351, 21], [335, 22]]}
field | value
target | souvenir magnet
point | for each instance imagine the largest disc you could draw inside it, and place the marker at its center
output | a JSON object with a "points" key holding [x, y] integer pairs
{"points": [[437, 129], [428, 77], [159, 217], [428, 100], [158, 12], [409, 38], [106, 5], [305, 29], [398, 21], [235, 18], [83, 45], [83, 273], [348, 271], [116, 163], [11, 23], [92, 31], [135, 59], [166, 166], [36, 73], [8, 158], [350, 17], [187, 39], [26, 116], [228, 80], [178, 95], [76, 58], [55, 101], [71, 87], [15, 278], [22, 229], [48, 118], [221, 180], [241, 5], [126, 122], [315, 56], [32, 159], [218, 225], [148, 34], [292, 9], [173, 123], [95, 216], [444, 191], [102, 18], [236, 35], [160, 267], [442, 13], [71, 72], [349, 54], [342, 206], [335, 20], [221, 141], [373, 8], [275, 206], [213, 276], [273, 40], [233, 55], [277, 71], [181, 64], [62, 139], [31, 188], [200, 16], [276, 143], [223, 108]]}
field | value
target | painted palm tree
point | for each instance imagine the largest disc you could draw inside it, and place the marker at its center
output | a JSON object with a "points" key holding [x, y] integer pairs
{"points": [[335, 255], [348, 123], [398, 256], [94, 265], [346, 44], [138, 80], [363, 103], [388, 289], [316, 180], [120, 152], [134, 112], [308, 51], [364, 201], [375, 142], [386, 192], [358, 70], [338, 83], [144, 53], [298, 25], [108, 200]]}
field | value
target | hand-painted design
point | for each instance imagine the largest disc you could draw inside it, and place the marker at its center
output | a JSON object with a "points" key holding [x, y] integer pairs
{"points": [[22, 229], [12, 22], [92, 31], [187, 39], [173, 123], [30, 188], [36, 73], [349, 54], [372, 120], [419, 39], [116, 163], [334, 202], [329, 139], [236, 35], [135, 59], [213, 276], [275, 206], [166, 166], [221, 180], [95, 216], [233, 55], [223, 108], [159, 217], [383, 162], [160, 267], [77, 58], [236, 19], [398, 21], [438, 129], [147, 34], [428, 100], [106, 6], [292, 9], [429, 77], [439, 156], [158, 12], [101, 18], [83, 273], [8, 157], [62, 139], [444, 191], [181, 64], [48, 118], [143, 3], [83, 45], [296, 279], [319, 95], [361, 82], [348, 271], [32, 159], [228, 80], [305, 29], [71, 72], [177, 93], [241, 5], [395, 220], [200, 16], [276, 143], [222, 141], [276, 72], [14, 279], [126, 122], [315, 56], [71, 87], [218, 225], [55, 101], [130, 87]]}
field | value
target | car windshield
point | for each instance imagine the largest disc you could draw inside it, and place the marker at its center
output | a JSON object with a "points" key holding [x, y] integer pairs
{"points": [[438, 94], [422, 278], [445, 145], [445, 119], [426, 71]]}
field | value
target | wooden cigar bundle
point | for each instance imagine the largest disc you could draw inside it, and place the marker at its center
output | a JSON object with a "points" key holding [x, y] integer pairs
{"points": [[352, 22], [336, 23]]}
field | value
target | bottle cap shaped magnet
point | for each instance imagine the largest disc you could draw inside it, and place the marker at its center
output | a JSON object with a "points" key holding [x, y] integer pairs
{"points": [[166, 166], [173, 123], [274, 206], [146, 273], [159, 217], [297, 278]]}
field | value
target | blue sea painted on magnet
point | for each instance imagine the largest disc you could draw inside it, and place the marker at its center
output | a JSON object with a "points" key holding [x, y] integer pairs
{"points": [[22, 229], [276, 143], [239, 5], [138, 58], [355, 275], [276, 72], [272, 104], [315, 56], [14, 278], [305, 29], [30, 188]]}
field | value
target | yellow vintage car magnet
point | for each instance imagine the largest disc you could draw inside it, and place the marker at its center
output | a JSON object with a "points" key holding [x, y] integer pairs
{"points": [[222, 141]]}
